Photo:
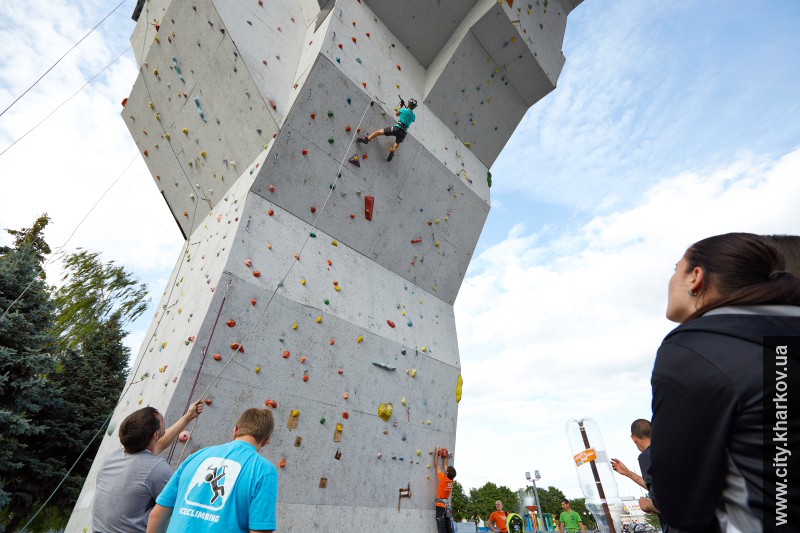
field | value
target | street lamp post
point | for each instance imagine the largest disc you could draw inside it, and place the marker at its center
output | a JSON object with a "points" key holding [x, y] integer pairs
{"points": [[536, 477]]}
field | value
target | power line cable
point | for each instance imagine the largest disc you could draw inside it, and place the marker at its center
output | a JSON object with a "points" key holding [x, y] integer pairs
{"points": [[65, 101], [60, 58]]}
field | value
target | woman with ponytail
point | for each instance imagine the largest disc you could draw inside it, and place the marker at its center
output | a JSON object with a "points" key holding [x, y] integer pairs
{"points": [[728, 293]]}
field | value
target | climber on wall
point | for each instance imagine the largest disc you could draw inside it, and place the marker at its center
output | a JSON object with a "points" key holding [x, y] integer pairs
{"points": [[399, 129]]}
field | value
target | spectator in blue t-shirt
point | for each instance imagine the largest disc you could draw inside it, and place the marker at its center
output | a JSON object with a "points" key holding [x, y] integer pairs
{"points": [[223, 488], [399, 129]]}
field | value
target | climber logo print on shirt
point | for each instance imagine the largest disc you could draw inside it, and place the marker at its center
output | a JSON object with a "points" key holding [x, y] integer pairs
{"points": [[212, 483]]}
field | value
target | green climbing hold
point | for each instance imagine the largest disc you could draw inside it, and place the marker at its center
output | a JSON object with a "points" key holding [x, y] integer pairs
{"points": [[322, 420], [312, 235], [371, 104], [359, 60], [330, 141], [489, 179], [330, 114], [326, 301]]}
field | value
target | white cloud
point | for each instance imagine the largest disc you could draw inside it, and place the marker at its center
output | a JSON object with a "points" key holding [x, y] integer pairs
{"points": [[553, 327]]}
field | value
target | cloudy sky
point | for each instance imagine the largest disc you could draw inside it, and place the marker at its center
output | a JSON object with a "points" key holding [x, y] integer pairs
{"points": [[672, 121]]}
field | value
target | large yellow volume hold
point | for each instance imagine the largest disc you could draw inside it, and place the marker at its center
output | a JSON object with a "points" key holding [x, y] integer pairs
{"points": [[458, 388], [385, 411]]}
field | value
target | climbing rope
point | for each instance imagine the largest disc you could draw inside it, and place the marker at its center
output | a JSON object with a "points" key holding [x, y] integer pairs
{"points": [[260, 319]]}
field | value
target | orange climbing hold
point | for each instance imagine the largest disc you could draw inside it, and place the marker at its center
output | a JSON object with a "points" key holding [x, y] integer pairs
{"points": [[271, 403], [270, 212], [286, 354], [208, 401], [330, 263], [217, 357], [303, 359], [369, 203], [237, 346], [283, 463], [231, 323], [257, 273], [305, 378], [253, 301], [333, 341], [185, 213]]}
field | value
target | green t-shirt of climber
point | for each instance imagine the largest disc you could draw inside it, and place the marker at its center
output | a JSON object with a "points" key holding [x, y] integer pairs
{"points": [[407, 117], [571, 520]]}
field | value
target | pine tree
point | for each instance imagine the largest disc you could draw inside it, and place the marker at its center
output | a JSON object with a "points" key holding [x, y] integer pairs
{"points": [[26, 392]]}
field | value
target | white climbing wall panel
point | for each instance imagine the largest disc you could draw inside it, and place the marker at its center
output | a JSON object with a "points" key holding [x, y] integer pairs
{"points": [[322, 288]]}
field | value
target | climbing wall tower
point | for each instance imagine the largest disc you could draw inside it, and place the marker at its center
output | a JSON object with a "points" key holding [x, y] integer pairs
{"points": [[319, 283]]}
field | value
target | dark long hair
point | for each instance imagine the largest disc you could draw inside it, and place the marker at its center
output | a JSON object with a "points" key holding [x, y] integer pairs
{"points": [[744, 269]]}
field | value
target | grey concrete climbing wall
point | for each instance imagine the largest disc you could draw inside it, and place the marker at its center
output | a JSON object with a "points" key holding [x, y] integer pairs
{"points": [[317, 278]]}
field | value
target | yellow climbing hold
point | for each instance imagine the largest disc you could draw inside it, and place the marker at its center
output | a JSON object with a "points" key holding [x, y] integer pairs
{"points": [[294, 326], [303, 281], [296, 412], [337, 288], [186, 131], [258, 369], [335, 243], [385, 411], [319, 319], [425, 348], [413, 372], [419, 452], [403, 401], [360, 339], [459, 385]]}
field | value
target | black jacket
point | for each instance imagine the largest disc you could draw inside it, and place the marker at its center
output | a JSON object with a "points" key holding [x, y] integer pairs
{"points": [[708, 417]]}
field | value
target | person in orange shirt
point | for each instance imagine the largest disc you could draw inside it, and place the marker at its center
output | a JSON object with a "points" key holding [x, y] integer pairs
{"points": [[443, 523], [498, 520]]}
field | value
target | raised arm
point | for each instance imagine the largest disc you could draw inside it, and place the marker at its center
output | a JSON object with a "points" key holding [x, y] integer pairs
{"points": [[175, 429]]}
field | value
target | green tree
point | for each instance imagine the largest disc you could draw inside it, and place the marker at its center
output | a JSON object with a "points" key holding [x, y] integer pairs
{"points": [[483, 499], [579, 506], [550, 498], [461, 504], [26, 391], [93, 306]]}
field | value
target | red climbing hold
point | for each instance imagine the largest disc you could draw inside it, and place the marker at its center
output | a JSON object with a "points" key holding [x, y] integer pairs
{"points": [[365, 156], [217, 357], [271, 403], [340, 46], [346, 128], [354, 39], [305, 378], [286, 354], [352, 215], [237, 346], [208, 401], [364, 84], [416, 241], [305, 152], [253, 301], [391, 324], [341, 371], [333, 341], [398, 67], [345, 415], [125, 101], [313, 208], [270, 212], [231, 323], [368, 35], [158, 27], [369, 203], [248, 262], [257, 273], [313, 116], [271, 188], [273, 105], [330, 263]]}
